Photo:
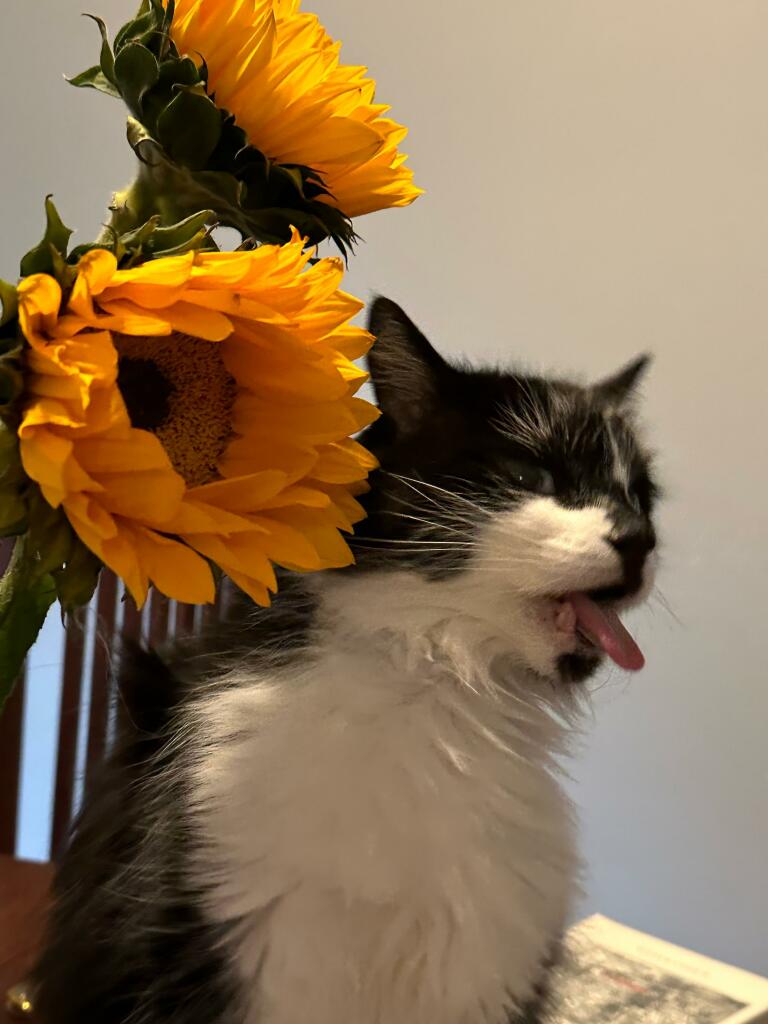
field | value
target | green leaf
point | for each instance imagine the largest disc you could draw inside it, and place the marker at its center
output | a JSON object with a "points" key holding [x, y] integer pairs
{"points": [[9, 302], [76, 582], [189, 128], [25, 597], [57, 235], [136, 71], [94, 78], [107, 59]]}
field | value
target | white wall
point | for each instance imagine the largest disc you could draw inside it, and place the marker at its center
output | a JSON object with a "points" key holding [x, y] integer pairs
{"points": [[597, 176]]}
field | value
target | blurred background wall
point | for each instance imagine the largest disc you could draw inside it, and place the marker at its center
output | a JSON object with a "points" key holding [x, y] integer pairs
{"points": [[596, 178]]}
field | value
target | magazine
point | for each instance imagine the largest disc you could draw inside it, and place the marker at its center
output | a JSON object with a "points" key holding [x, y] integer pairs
{"points": [[611, 973]]}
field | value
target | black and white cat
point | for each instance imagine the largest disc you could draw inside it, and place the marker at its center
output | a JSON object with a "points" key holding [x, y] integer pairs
{"points": [[347, 810]]}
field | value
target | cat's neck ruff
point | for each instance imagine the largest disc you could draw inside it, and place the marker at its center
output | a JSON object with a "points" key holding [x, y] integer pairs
{"points": [[424, 786]]}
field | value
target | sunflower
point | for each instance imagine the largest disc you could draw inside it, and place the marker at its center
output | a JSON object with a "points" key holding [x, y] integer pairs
{"points": [[197, 409], [277, 70]]}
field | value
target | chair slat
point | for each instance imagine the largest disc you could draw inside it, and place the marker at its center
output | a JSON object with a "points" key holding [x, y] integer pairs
{"points": [[68, 724], [158, 619], [103, 640], [185, 620], [11, 721]]}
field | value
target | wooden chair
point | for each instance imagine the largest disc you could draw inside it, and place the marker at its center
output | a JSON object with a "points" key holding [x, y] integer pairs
{"points": [[84, 674]]}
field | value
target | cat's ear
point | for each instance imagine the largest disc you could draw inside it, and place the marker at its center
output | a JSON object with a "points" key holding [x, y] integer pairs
{"points": [[618, 389], [406, 372]]}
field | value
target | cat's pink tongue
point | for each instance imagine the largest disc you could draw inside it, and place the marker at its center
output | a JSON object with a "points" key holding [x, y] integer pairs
{"points": [[606, 630]]}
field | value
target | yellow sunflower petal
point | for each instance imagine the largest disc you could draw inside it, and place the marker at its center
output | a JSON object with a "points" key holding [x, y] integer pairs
{"points": [[342, 463], [288, 546], [242, 494], [39, 301], [244, 457], [332, 550], [197, 517], [114, 546], [149, 496], [255, 590], [49, 459], [237, 554], [174, 568]]}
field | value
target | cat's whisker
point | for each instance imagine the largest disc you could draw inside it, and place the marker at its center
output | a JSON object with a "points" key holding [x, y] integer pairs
{"points": [[658, 596], [413, 542], [450, 495], [449, 515], [418, 519]]}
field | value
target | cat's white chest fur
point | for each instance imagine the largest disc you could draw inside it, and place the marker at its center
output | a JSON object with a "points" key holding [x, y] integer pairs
{"points": [[388, 828]]}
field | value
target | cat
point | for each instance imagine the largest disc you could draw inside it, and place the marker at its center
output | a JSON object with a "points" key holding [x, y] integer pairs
{"points": [[346, 809]]}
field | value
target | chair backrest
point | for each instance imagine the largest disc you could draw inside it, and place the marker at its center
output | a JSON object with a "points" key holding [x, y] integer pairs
{"points": [[89, 705]]}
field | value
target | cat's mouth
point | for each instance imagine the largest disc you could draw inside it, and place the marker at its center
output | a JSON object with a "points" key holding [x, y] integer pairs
{"points": [[597, 625]]}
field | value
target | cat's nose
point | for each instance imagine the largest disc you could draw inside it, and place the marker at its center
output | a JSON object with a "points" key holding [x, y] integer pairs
{"points": [[634, 544]]}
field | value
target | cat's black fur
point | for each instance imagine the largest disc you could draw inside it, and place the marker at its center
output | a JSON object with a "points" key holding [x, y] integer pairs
{"points": [[128, 942]]}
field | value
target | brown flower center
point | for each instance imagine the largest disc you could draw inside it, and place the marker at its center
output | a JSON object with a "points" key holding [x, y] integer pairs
{"points": [[178, 388]]}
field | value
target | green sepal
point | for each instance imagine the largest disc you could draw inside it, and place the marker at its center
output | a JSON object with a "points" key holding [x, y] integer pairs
{"points": [[9, 302], [137, 240], [136, 71], [94, 78], [152, 239], [136, 30], [26, 594], [50, 536], [11, 381], [176, 239], [13, 480], [219, 185], [106, 58], [57, 235], [76, 581], [181, 71], [200, 241], [189, 128]]}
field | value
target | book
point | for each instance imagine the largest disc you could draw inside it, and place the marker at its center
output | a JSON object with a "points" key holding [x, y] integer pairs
{"points": [[611, 974]]}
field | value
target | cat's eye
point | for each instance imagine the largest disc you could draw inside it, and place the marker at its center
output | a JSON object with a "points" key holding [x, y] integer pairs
{"points": [[526, 476]]}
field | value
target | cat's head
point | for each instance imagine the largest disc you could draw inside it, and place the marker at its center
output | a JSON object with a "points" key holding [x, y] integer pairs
{"points": [[528, 500]]}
